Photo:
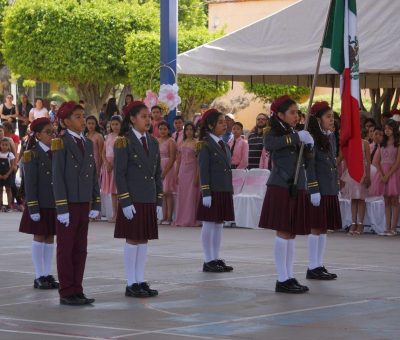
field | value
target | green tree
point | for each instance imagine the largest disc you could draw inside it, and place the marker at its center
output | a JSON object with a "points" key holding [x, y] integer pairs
{"points": [[81, 44], [143, 55], [267, 93]]}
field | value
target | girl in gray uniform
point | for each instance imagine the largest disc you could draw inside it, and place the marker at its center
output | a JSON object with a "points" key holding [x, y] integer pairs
{"points": [[324, 210], [216, 205], [39, 216], [285, 205]]}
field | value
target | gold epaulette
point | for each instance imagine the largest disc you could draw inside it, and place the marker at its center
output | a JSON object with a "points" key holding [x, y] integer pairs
{"points": [[121, 142], [200, 145], [57, 144], [28, 155]]}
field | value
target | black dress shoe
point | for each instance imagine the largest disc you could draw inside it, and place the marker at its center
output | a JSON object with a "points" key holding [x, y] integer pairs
{"points": [[145, 286], [72, 300], [212, 267], [222, 263], [41, 283], [296, 283], [136, 290], [326, 272], [288, 287], [318, 274], [52, 282], [83, 297]]}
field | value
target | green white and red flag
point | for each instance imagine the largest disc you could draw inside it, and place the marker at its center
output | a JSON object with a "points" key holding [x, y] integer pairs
{"points": [[342, 39]]}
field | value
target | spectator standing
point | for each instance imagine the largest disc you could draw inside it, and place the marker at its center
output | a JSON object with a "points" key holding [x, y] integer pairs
{"points": [[23, 115], [38, 111], [255, 141], [230, 120]]}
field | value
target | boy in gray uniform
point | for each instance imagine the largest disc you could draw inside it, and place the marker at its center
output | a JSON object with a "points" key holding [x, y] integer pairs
{"points": [[76, 191]]}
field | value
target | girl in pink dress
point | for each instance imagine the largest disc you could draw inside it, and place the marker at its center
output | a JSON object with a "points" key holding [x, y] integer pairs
{"points": [[93, 132], [239, 148], [187, 179], [168, 156], [108, 185], [357, 192], [386, 182]]}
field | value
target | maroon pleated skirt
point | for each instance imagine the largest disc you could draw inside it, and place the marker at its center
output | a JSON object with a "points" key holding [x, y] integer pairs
{"points": [[46, 226], [281, 212], [221, 208], [327, 215], [143, 226]]}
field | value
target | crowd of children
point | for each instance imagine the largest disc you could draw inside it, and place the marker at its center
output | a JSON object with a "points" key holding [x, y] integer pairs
{"points": [[147, 170]]}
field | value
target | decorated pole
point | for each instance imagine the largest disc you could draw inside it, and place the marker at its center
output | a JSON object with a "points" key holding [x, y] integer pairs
{"points": [[168, 46]]}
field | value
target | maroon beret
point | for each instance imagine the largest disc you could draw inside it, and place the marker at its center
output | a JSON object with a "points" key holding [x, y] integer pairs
{"points": [[278, 102], [131, 106], [319, 107], [39, 122], [67, 108], [207, 113]]}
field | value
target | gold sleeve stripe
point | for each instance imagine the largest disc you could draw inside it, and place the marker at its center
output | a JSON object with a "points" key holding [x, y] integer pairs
{"points": [[313, 185], [63, 203]]}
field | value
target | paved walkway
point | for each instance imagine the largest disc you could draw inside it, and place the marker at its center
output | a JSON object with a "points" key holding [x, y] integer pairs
{"points": [[364, 303]]}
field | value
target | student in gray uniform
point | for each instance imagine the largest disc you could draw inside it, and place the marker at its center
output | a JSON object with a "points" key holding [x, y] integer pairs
{"points": [[76, 191], [285, 205], [324, 210], [39, 216], [138, 177], [216, 204]]}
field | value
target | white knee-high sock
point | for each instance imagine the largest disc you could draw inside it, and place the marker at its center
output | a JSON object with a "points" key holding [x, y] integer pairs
{"points": [[141, 262], [216, 239], [290, 259], [206, 240], [280, 254], [48, 258], [321, 249], [313, 241], [130, 253], [37, 257]]}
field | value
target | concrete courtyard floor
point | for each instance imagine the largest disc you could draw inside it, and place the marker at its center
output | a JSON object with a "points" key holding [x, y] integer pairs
{"points": [[364, 303]]}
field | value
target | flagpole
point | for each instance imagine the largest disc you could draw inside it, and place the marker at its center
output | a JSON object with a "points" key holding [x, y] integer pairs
{"points": [[312, 93]]}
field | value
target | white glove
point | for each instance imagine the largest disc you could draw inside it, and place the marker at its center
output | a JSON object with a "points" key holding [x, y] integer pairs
{"points": [[129, 211], [207, 201], [35, 217], [159, 210], [93, 213], [305, 137], [316, 199], [63, 219]]}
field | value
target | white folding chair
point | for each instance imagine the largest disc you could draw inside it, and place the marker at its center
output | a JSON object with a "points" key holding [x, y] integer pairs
{"points": [[248, 203], [238, 177]]}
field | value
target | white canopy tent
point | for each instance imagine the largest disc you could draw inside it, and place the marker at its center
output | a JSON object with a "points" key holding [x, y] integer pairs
{"points": [[283, 48]]}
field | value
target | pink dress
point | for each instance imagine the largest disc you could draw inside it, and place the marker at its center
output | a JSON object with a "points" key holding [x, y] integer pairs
{"points": [[169, 182], [108, 185], [352, 189], [96, 153], [392, 187], [188, 193]]}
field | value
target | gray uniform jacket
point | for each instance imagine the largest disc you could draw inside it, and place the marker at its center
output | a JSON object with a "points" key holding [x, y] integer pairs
{"points": [[284, 153], [74, 175], [137, 175], [38, 180], [326, 172], [214, 166]]}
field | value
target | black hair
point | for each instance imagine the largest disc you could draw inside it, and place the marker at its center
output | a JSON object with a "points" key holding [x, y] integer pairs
{"points": [[187, 124], [111, 108], [279, 126], [211, 119], [126, 123], [321, 140], [238, 124], [396, 134], [32, 140], [8, 126], [97, 128], [370, 120], [164, 123], [156, 107], [38, 98], [178, 118], [128, 96]]}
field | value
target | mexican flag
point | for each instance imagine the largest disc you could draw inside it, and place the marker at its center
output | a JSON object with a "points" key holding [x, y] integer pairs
{"points": [[342, 39]]}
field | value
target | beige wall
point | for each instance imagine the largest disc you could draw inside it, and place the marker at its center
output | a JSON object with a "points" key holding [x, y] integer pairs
{"points": [[232, 15]]}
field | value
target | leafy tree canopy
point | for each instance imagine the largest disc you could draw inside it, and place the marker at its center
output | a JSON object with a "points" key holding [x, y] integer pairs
{"points": [[267, 93]]}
